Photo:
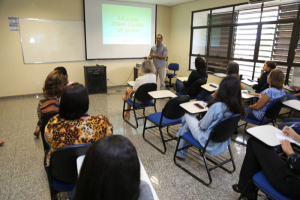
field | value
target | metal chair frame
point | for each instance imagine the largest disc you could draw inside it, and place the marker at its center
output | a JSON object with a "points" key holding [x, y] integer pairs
{"points": [[145, 97], [202, 152], [170, 77], [176, 109]]}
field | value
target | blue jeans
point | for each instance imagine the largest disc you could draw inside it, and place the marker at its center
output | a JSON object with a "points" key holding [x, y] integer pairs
{"points": [[179, 86], [189, 123], [291, 96], [289, 122], [204, 96]]}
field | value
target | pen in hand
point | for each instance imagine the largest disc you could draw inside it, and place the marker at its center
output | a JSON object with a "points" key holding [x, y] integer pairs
{"points": [[293, 125]]}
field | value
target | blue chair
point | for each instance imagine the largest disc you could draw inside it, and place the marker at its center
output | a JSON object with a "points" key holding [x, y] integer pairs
{"points": [[271, 113], [143, 96], [174, 67], [195, 89], [62, 171], [170, 115], [263, 184], [221, 133]]}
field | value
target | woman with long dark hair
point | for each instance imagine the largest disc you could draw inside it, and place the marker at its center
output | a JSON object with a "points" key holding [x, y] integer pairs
{"points": [[73, 125], [111, 170], [228, 101], [200, 73]]}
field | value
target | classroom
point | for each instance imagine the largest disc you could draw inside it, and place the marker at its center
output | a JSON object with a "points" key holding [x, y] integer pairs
{"points": [[22, 172]]}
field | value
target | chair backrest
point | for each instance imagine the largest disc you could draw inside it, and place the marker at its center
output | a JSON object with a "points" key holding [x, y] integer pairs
{"points": [[225, 128], [173, 66], [196, 88], [173, 110], [46, 119], [142, 92], [274, 109], [63, 166], [265, 86]]}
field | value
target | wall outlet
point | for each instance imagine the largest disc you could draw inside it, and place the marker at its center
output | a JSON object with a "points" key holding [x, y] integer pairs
{"points": [[108, 78], [38, 84]]}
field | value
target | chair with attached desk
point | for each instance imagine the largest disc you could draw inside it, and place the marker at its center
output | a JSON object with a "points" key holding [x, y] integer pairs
{"points": [[195, 89], [170, 115], [62, 171], [221, 133], [174, 67], [262, 183], [143, 96]]}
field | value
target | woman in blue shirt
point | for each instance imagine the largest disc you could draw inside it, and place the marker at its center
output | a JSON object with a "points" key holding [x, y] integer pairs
{"points": [[268, 96], [228, 101]]}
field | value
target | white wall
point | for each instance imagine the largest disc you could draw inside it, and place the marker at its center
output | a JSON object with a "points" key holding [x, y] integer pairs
{"points": [[16, 78]]}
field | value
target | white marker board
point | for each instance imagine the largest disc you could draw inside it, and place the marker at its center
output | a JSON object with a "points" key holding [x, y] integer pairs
{"points": [[48, 41]]}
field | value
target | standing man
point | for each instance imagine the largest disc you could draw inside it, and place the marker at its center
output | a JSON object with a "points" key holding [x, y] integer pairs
{"points": [[159, 53]]}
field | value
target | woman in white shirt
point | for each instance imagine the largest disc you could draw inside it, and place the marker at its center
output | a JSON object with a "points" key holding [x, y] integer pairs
{"points": [[148, 76]]}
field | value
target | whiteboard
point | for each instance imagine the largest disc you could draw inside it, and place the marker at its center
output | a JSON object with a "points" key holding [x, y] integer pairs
{"points": [[48, 41]]}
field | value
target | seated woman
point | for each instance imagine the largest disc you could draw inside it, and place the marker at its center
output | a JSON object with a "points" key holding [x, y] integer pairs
{"points": [[185, 87], [228, 101], [111, 170], [283, 175], [73, 125], [148, 76], [262, 80], [268, 96], [232, 69], [54, 86]]}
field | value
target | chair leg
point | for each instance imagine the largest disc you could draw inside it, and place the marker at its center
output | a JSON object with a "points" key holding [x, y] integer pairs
{"points": [[161, 135], [155, 106], [207, 170], [290, 113], [187, 171], [163, 141], [127, 121]]}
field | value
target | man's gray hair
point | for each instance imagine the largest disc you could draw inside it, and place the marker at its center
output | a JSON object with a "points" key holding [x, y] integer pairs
{"points": [[161, 36], [147, 67]]}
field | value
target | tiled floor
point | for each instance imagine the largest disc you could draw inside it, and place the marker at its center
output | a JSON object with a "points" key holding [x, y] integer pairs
{"points": [[22, 175]]}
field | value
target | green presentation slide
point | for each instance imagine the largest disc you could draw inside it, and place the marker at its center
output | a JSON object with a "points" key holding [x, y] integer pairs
{"points": [[126, 24]]}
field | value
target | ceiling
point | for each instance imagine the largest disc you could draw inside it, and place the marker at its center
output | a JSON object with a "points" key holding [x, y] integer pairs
{"points": [[160, 2]]}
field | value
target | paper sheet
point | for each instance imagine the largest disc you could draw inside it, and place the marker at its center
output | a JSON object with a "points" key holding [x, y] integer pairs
{"points": [[284, 137]]}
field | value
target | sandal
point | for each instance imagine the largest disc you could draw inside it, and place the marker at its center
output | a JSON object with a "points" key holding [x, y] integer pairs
{"points": [[127, 116], [37, 132], [236, 188], [2, 142]]}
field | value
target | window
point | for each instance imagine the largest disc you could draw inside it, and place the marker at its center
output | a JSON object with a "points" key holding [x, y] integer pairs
{"points": [[248, 34]]}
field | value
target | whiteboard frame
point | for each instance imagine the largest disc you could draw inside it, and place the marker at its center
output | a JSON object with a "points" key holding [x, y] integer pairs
{"points": [[36, 19]]}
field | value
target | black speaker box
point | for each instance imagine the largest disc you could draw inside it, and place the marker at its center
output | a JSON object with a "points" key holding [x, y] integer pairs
{"points": [[95, 79]]}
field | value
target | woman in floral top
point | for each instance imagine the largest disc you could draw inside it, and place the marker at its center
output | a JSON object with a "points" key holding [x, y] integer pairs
{"points": [[73, 125]]}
